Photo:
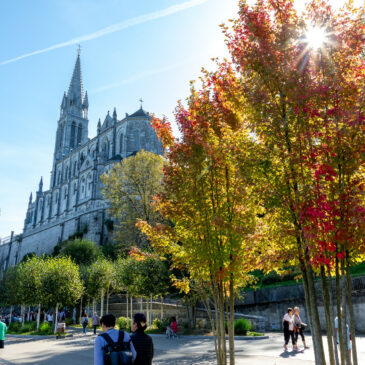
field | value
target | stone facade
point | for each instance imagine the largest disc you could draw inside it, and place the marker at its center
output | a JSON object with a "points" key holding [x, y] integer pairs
{"points": [[73, 203]]}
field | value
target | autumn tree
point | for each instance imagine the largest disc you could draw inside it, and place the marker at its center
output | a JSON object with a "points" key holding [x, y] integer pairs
{"points": [[129, 188], [207, 197], [304, 103]]}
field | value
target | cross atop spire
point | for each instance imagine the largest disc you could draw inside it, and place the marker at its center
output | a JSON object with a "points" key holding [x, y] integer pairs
{"points": [[141, 101], [79, 50]]}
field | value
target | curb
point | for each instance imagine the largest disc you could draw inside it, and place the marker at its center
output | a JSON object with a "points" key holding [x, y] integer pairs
{"points": [[201, 337]]}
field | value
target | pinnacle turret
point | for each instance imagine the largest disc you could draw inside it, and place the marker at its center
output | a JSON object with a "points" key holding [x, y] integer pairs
{"points": [[86, 101], [99, 126], [30, 198], [115, 114], [41, 184]]}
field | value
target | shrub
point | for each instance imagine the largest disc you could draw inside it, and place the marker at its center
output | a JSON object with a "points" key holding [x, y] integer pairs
{"points": [[186, 325], [27, 327], [241, 326], [156, 323], [124, 323], [15, 326], [69, 321], [45, 329]]}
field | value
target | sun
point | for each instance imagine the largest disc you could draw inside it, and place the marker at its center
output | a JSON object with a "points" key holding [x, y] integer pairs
{"points": [[316, 37]]}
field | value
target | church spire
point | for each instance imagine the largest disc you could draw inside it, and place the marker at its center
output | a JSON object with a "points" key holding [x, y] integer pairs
{"points": [[75, 90]]}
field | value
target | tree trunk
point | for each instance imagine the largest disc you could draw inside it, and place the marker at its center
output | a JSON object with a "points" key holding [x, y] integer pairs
{"points": [[127, 306], [231, 322], [332, 316], [328, 317], [107, 301], [38, 315], [161, 316], [81, 311], [11, 314], [28, 314], [56, 319], [131, 298], [339, 319], [23, 313], [94, 305], [141, 304], [102, 303], [316, 333], [223, 328], [306, 296], [148, 311], [351, 314], [344, 312], [151, 310]]}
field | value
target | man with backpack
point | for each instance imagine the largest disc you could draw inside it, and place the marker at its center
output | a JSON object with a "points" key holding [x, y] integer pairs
{"points": [[113, 347]]}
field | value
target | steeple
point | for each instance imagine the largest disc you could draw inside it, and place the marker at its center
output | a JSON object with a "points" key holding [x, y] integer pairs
{"points": [[75, 90], [41, 184], [30, 198]]}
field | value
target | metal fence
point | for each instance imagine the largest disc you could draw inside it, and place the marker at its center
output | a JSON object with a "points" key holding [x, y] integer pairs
{"points": [[5, 240]]}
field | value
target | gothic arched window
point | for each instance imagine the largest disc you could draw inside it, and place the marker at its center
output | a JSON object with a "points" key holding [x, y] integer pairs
{"points": [[73, 133], [75, 168], [79, 134], [106, 148]]}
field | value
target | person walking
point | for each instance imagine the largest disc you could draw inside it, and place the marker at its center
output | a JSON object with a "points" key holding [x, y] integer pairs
{"points": [[141, 341], [299, 327], [288, 324], [50, 319], [84, 322], [95, 320], [3, 330], [112, 341]]}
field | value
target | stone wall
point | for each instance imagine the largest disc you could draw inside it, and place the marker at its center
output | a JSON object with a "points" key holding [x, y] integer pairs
{"points": [[272, 303], [118, 307]]}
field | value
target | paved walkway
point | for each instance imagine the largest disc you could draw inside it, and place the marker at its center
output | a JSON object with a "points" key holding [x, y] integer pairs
{"points": [[78, 350]]}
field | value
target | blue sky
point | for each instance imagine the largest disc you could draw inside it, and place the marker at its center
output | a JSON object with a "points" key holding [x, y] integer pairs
{"points": [[154, 59]]}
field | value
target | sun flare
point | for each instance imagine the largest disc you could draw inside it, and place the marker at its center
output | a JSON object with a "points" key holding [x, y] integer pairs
{"points": [[316, 37]]}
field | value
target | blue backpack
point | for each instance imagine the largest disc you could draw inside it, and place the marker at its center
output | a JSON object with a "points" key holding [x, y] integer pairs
{"points": [[117, 353]]}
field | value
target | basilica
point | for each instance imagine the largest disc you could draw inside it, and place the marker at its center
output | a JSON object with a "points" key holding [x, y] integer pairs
{"points": [[73, 204]]}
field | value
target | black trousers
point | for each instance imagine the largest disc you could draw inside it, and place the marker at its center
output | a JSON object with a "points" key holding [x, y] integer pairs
{"points": [[299, 332], [1, 344], [287, 336], [94, 329]]}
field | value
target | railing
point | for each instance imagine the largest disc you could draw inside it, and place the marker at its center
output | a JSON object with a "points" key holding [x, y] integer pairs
{"points": [[5, 240]]}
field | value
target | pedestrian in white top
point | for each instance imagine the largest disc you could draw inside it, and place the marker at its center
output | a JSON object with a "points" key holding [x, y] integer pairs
{"points": [[288, 325]]}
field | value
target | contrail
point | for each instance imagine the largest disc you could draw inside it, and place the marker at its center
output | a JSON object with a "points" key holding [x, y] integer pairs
{"points": [[137, 77], [112, 28]]}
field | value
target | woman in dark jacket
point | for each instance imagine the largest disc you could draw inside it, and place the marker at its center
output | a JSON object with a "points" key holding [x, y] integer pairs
{"points": [[141, 342]]}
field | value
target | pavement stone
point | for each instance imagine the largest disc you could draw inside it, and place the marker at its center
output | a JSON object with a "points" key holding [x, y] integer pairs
{"points": [[186, 350]]}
